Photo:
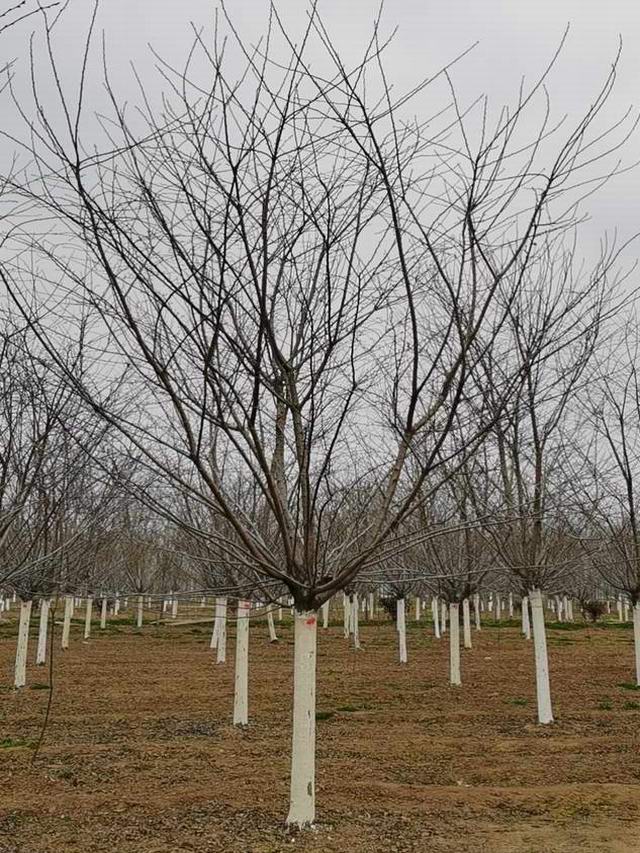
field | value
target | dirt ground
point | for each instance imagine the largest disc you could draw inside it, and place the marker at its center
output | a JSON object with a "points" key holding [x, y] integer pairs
{"points": [[140, 755]]}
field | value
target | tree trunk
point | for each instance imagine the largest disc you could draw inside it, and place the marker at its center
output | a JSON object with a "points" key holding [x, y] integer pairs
{"points": [[526, 624], [436, 618], [23, 640], [346, 612], [325, 615], [401, 626], [66, 621], [355, 621], [139, 615], [543, 690], [273, 637], [476, 610], [454, 645], [303, 748], [87, 617], [466, 623], [41, 651], [222, 633], [241, 688], [636, 639], [103, 614]]}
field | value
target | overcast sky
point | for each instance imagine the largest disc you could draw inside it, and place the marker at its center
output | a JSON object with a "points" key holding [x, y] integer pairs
{"points": [[515, 38]]}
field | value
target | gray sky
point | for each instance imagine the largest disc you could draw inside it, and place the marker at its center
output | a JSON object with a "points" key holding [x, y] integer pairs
{"points": [[516, 38]]}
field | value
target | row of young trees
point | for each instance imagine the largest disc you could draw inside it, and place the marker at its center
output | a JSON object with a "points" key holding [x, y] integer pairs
{"points": [[318, 328]]}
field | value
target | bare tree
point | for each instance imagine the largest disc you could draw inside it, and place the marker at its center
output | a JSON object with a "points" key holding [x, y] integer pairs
{"points": [[293, 282]]}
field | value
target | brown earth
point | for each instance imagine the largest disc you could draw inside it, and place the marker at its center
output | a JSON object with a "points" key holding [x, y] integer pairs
{"points": [[139, 754]]}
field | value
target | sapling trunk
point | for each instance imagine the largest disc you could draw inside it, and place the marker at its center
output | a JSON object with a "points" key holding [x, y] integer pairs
{"points": [[303, 745], [41, 651], [66, 621], [543, 690], [466, 623], [454, 644], [20, 676], [401, 626], [103, 614], [241, 686]]}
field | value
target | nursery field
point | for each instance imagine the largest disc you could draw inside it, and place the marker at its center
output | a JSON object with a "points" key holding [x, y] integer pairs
{"points": [[140, 754]]}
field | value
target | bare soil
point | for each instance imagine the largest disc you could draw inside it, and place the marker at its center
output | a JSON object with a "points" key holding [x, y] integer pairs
{"points": [[139, 754]]}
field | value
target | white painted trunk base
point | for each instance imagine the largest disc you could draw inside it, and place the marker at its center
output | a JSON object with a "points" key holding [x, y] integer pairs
{"points": [[454, 645], [221, 655], [303, 746], [241, 684], [41, 651], [103, 614], [476, 611], [401, 627], [543, 689], [20, 675], [273, 637], [435, 610], [466, 623], [66, 621], [87, 618], [636, 639]]}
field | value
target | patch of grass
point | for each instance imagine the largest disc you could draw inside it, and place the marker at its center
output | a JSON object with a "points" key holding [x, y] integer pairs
{"points": [[324, 715], [521, 702], [15, 742], [631, 706], [347, 708], [39, 686], [629, 685], [605, 705], [566, 626]]}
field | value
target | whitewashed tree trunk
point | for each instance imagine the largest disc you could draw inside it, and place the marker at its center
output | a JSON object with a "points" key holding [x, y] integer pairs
{"points": [[66, 621], [476, 610], [20, 675], [625, 606], [241, 686], [454, 644], [498, 608], [443, 618], [216, 626], [87, 617], [221, 656], [273, 637], [140, 611], [619, 606], [174, 608], [418, 608], [103, 614], [466, 623], [510, 605], [346, 613], [526, 623], [280, 612], [325, 614], [116, 605], [355, 621], [401, 626], [41, 651], [303, 746], [636, 638], [543, 689], [436, 617], [372, 606]]}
